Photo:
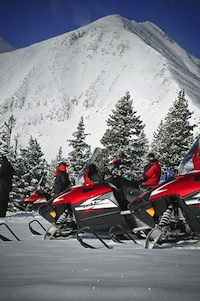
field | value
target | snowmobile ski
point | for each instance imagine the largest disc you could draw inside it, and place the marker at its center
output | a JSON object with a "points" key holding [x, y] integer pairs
{"points": [[33, 231], [153, 237], [115, 238], [4, 238], [89, 230]]}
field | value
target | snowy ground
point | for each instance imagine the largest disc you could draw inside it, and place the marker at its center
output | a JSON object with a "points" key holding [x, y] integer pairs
{"points": [[38, 269]]}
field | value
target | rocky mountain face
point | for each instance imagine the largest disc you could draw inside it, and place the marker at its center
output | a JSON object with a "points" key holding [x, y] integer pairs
{"points": [[48, 86]]}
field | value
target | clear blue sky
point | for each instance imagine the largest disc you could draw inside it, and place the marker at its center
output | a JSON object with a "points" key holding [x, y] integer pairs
{"points": [[24, 22]]}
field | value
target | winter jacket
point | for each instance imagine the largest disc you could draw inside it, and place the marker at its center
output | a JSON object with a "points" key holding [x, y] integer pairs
{"points": [[62, 181], [151, 173], [6, 174]]}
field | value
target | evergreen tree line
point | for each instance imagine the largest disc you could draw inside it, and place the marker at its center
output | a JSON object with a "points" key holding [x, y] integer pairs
{"points": [[124, 137]]}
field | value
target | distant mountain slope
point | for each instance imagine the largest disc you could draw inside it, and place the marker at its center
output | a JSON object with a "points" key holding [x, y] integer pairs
{"points": [[48, 86], [5, 46]]}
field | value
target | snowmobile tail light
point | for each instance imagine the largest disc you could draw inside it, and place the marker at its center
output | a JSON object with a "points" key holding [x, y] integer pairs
{"points": [[53, 213], [150, 211]]}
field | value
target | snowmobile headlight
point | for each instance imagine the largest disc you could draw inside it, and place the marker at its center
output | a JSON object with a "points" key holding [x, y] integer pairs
{"points": [[150, 211], [53, 213]]}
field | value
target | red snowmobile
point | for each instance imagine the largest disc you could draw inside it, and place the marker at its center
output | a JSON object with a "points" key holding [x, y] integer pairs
{"points": [[99, 206], [172, 210], [37, 198]]}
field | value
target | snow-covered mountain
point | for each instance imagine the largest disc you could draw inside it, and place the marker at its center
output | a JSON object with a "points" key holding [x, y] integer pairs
{"points": [[5, 46], [48, 86]]}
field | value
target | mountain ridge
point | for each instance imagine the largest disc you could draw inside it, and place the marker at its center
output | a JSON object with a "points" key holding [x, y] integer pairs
{"points": [[48, 86]]}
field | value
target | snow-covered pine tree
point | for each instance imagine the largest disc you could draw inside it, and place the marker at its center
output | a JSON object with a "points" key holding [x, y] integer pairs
{"points": [[32, 165], [197, 129], [19, 181], [81, 151], [175, 136], [5, 137], [125, 135], [3, 140], [7, 149], [156, 145]]}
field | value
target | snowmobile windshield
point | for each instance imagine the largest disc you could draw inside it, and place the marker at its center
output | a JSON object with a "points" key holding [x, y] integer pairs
{"points": [[80, 178], [191, 161], [96, 158]]}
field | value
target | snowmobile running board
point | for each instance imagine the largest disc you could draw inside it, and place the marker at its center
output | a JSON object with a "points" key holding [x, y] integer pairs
{"points": [[34, 231], [113, 236], [89, 230], [4, 238]]}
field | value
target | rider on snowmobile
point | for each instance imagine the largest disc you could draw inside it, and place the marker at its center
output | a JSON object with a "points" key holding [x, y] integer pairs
{"points": [[151, 173], [62, 181]]}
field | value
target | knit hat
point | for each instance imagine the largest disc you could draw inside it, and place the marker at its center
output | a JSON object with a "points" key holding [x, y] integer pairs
{"points": [[151, 157]]}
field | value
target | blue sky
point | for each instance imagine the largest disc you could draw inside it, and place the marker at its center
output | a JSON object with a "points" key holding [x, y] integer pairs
{"points": [[24, 22]]}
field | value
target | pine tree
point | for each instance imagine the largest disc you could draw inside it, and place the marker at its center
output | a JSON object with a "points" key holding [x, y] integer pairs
{"points": [[125, 135], [32, 165], [7, 150], [19, 183], [5, 137], [197, 129], [80, 153], [14, 194], [175, 136], [156, 146]]}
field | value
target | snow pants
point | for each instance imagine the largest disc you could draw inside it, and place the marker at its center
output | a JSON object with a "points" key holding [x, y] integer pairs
{"points": [[4, 197]]}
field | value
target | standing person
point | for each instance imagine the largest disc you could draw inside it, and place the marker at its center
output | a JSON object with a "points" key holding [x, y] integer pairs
{"points": [[62, 181], [6, 176], [151, 173]]}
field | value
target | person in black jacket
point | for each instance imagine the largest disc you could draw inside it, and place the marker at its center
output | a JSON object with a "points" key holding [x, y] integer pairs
{"points": [[62, 181], [6, 176]]}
